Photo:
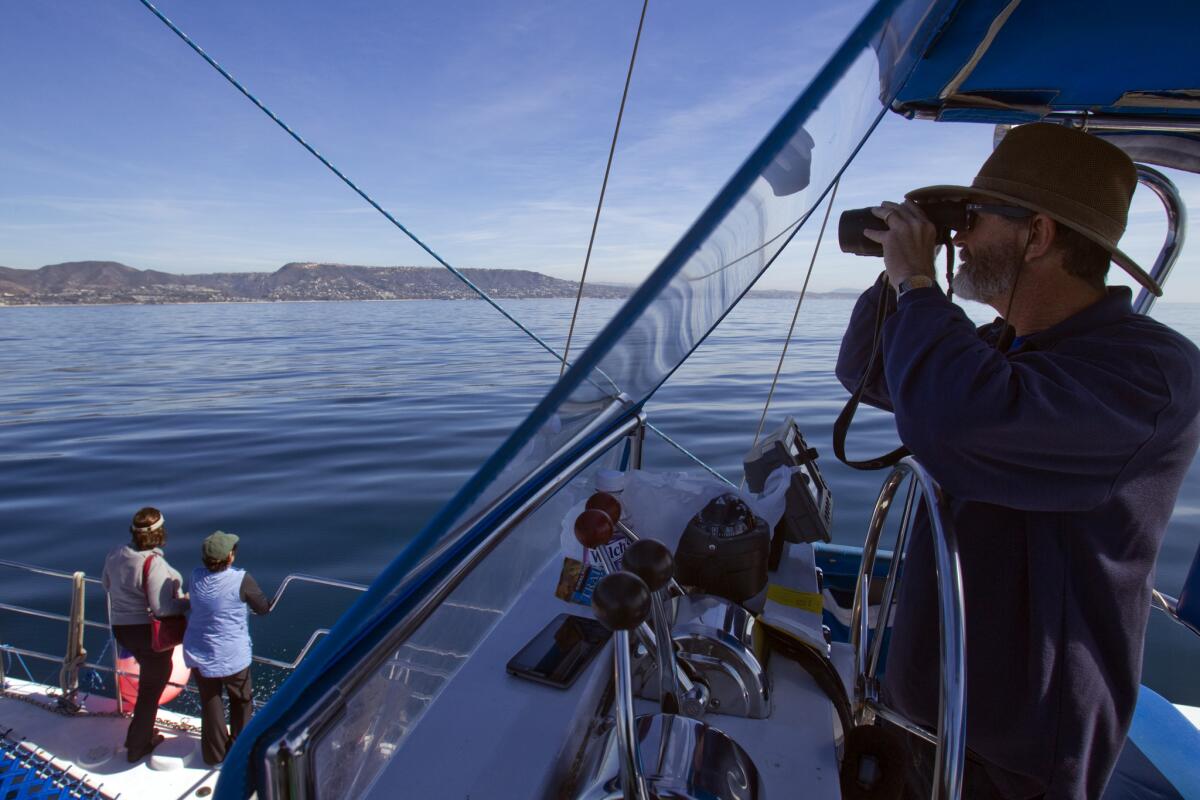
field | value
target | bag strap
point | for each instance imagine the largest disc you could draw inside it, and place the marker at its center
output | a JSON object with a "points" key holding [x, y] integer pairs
{"points": [[841, 427], [146, 578]]}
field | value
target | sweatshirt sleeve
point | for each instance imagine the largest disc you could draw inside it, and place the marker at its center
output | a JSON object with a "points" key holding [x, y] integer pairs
{"points": [[855, 352], [253, 596], [1036, 431], [163, 588]]}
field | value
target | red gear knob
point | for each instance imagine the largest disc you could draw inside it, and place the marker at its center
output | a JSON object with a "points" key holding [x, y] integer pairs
{"points": [[603, 501], [593, 528]]}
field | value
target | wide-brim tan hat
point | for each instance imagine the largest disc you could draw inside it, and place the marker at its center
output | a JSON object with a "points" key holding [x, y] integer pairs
{"points": [[1072, 177]]}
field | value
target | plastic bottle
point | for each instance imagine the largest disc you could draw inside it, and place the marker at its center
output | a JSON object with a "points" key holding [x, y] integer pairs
{"points": [[612, 481]]}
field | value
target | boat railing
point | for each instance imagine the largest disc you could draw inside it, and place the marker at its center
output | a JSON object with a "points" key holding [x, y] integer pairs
{"points": [[950, 737], [75, 658], [1170, 606], [1172, 246]]}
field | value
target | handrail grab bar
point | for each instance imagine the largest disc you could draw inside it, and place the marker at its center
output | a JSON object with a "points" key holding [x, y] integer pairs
{"points": [[295, 662], [301, 577], [1172, 245], [952, 726]]}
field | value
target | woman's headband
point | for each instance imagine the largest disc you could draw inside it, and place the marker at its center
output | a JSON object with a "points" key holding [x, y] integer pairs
{"points": [[149, 528]]}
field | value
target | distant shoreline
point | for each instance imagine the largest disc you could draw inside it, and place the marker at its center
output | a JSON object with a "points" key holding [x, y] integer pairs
{"points": [[111, 283], [751, 296], [241, 302]]}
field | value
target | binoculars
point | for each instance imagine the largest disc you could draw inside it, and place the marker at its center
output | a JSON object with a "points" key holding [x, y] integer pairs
{"points": [[946, 215]]}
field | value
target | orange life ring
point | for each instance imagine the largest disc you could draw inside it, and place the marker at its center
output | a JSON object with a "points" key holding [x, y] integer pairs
{"points": [[128, 682]]}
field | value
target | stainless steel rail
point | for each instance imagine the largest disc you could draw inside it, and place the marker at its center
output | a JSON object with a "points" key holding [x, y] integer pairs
{"points": [[34, 612], [951, 738], [22, 651], [1172, 246], [300, 577], [33, 569], [295, 662], [1170, 606], [1093, 122], [53, 573]]}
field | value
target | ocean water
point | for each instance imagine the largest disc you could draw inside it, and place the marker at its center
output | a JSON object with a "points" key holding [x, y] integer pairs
{"points": [[326, 434]]}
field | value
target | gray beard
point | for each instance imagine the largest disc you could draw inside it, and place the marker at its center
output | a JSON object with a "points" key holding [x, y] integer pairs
{"points": [[984, 280]]}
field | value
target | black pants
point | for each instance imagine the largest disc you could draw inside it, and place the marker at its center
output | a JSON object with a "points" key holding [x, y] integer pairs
{"points": [[981, 781], [154, 671], [215, 738]]}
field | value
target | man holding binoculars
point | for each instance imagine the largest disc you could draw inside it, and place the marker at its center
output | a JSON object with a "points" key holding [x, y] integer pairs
{"points": [[1061, 432]]}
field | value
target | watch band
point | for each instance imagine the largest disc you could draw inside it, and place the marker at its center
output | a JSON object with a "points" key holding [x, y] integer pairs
{"points": [[913, 282]]}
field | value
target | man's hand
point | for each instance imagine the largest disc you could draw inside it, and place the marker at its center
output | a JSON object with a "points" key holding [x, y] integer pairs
{"points": [[908, 243]]}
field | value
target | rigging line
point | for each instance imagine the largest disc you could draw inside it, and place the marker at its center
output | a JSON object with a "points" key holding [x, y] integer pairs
{"points": [[787, 231], [692, 456], [482, 294], [795, 315], [603, 186]]}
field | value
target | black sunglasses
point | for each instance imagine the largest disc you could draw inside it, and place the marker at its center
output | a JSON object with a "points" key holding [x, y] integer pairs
{"points": [[973, 210]]}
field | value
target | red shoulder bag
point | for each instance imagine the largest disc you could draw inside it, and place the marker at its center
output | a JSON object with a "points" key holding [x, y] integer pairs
{"points": [[165, 632]]}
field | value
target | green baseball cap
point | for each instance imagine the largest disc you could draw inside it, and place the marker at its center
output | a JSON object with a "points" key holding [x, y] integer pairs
{"points": [[217, 546]]}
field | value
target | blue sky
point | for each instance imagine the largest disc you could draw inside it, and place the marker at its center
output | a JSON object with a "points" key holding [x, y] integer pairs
{"points": [[483, 126]]}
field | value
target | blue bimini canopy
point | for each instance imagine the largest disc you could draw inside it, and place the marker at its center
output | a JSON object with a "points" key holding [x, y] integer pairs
{"points": [[1126, 70]]}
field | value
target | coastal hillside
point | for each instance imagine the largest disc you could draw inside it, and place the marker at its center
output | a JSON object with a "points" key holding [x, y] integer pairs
{"points": [[100, 282], [110, 282]]}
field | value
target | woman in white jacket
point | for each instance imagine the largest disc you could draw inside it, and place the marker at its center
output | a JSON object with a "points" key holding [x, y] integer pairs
{"points": [[131, 602]]}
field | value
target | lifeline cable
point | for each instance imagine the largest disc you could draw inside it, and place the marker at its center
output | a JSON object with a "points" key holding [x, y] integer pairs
{"points": [[795, 315], [612, 148]]}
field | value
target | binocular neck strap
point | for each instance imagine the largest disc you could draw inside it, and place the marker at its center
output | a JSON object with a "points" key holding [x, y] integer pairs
{"points": [[874, 365]]}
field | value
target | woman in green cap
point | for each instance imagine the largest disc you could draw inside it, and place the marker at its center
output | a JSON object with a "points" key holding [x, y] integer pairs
{"points": [[217, 643]]}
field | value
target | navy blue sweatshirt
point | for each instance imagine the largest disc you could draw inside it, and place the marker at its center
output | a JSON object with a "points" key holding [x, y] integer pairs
{"points": [[1063, 458]]}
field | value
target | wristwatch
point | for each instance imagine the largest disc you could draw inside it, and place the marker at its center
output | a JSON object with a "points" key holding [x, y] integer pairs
{"points": [[913, 282]]}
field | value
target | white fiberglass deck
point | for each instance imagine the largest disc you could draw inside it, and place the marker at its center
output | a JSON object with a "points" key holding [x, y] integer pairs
{"points": [[491, 735], [88, 745]]}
